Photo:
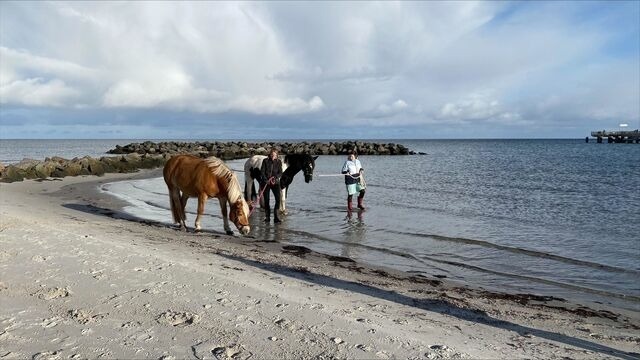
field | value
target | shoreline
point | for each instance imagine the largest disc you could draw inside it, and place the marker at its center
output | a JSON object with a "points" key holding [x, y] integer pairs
{"points": [[177, 287]]}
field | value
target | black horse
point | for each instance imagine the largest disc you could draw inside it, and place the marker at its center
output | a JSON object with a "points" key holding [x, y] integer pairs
{"points": [[293, 164]]}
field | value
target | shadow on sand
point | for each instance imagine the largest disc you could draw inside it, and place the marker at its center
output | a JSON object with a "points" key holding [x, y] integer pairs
{"points": [[438, 306]]}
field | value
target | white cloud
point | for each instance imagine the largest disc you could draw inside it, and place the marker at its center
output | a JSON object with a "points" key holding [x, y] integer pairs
{"points": [[176, 92], [480, 106], [277, 106], [20, 62], [318, 75], [389, 63], [38, 92]]}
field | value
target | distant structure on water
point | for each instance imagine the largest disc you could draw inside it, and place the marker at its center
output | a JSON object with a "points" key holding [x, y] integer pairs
{"points": [[615, 136]]}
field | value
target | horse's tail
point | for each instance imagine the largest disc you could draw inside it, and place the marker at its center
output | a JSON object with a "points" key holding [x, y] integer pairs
{"points": [[176, 207]]}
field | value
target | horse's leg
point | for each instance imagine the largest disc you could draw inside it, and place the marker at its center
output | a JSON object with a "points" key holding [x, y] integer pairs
{"points": [[248, 185], [202, 199], [262, 198], [183, 204], [225, 218], [176, 207], [283, 198]]}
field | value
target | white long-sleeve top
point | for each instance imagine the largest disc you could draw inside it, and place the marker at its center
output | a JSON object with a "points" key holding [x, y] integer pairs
{"points": [[351, 169]]}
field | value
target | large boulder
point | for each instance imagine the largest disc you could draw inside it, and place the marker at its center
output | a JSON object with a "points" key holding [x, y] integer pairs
{"points": [[44, 169], [13, 173], [72, 168], [91, 166], [26, 164], [152, 161]]}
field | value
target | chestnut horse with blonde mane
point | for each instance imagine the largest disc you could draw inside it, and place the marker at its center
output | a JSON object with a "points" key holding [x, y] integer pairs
{"points": [[190, 176]]}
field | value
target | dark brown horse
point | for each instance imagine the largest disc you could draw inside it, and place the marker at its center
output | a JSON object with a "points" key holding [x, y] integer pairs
{"points": [[190, 176]]}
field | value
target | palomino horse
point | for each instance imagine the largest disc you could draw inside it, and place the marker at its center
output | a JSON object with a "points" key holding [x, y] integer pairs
{"points": [[190, 176], [292, 164]]}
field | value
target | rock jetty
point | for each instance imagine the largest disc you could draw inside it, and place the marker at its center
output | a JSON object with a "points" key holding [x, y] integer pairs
{"points": [[149, 155], [241, 149]]}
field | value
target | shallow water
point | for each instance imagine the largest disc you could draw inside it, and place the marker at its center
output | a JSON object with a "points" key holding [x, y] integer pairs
{"points": [[552, 217]]}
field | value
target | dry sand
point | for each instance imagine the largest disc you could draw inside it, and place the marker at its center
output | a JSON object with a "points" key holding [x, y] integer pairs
{"points": [[79, 279]]}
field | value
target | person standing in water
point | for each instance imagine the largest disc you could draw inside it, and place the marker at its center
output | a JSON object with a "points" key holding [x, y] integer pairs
{"points": [[271, 172], [352, 170]]}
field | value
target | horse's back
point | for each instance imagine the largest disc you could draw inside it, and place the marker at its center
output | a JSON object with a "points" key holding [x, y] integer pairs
{"points": [[253, 162], [179, 163], [187, 172]]}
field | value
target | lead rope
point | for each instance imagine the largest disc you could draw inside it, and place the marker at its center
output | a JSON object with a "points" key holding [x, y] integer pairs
{"points": [[271, 181]]}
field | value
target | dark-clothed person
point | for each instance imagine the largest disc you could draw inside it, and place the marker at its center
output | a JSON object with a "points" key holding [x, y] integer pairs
{"points": [[271, 172]]}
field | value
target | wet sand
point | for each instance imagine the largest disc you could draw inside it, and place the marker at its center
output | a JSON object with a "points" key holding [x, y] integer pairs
{"points": [[81, 279]]}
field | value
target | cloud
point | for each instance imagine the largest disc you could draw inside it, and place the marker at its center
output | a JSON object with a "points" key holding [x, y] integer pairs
{"points": [[473, 107], [318, 75], [277, 106], [389, 64], [38, 92], [40, 81], [194, 57], [386, 110], [176, 92]]}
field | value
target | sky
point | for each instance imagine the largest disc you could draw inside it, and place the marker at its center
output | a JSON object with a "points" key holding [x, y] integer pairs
{"points": [[317, 70]]}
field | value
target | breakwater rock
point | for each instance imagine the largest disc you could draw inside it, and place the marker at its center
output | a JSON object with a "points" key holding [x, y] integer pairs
{"points": [[242, 149], [149, 155], [58, 167]]}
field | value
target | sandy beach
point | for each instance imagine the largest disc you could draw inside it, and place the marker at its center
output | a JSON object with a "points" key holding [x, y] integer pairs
{"points": [[81, 279]]}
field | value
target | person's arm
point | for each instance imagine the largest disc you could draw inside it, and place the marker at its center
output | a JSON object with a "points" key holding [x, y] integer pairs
{"points": [[263, 172], [345, 168]]}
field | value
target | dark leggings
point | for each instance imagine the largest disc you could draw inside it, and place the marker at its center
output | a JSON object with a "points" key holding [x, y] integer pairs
{"points": [[276, 193]]}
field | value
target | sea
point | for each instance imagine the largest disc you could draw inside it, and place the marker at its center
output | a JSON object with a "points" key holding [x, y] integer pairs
{"points": [[548, 217]]}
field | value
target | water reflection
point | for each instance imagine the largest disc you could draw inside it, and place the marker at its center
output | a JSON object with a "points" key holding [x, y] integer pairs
{"points": [[355, 232], [264, 231]]}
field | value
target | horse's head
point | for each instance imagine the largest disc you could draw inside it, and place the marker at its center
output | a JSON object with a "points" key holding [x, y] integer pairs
{"points": [[308, 164], [239, 215]]}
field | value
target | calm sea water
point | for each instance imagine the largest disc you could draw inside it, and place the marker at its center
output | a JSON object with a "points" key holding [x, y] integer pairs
{"points": [[551, 217], [13, 151]]}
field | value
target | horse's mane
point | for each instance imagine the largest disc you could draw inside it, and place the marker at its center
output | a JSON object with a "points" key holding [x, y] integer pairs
{"points": [[219, 169], [299, 156]]}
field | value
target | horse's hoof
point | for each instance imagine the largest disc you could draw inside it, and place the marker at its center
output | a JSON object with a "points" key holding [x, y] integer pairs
{"points": [[229, 232]]}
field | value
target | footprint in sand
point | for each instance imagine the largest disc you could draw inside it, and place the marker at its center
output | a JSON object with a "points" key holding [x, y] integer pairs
{"points": [[51, 322], [84, 316], [48, 355], [5, 255], [204, 350], [443, 352], [285, 324], [39, 258], [52, 293], [178, 319]]}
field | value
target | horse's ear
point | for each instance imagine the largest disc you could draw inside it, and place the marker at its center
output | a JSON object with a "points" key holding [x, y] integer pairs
{"points": [[315, 157]]}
